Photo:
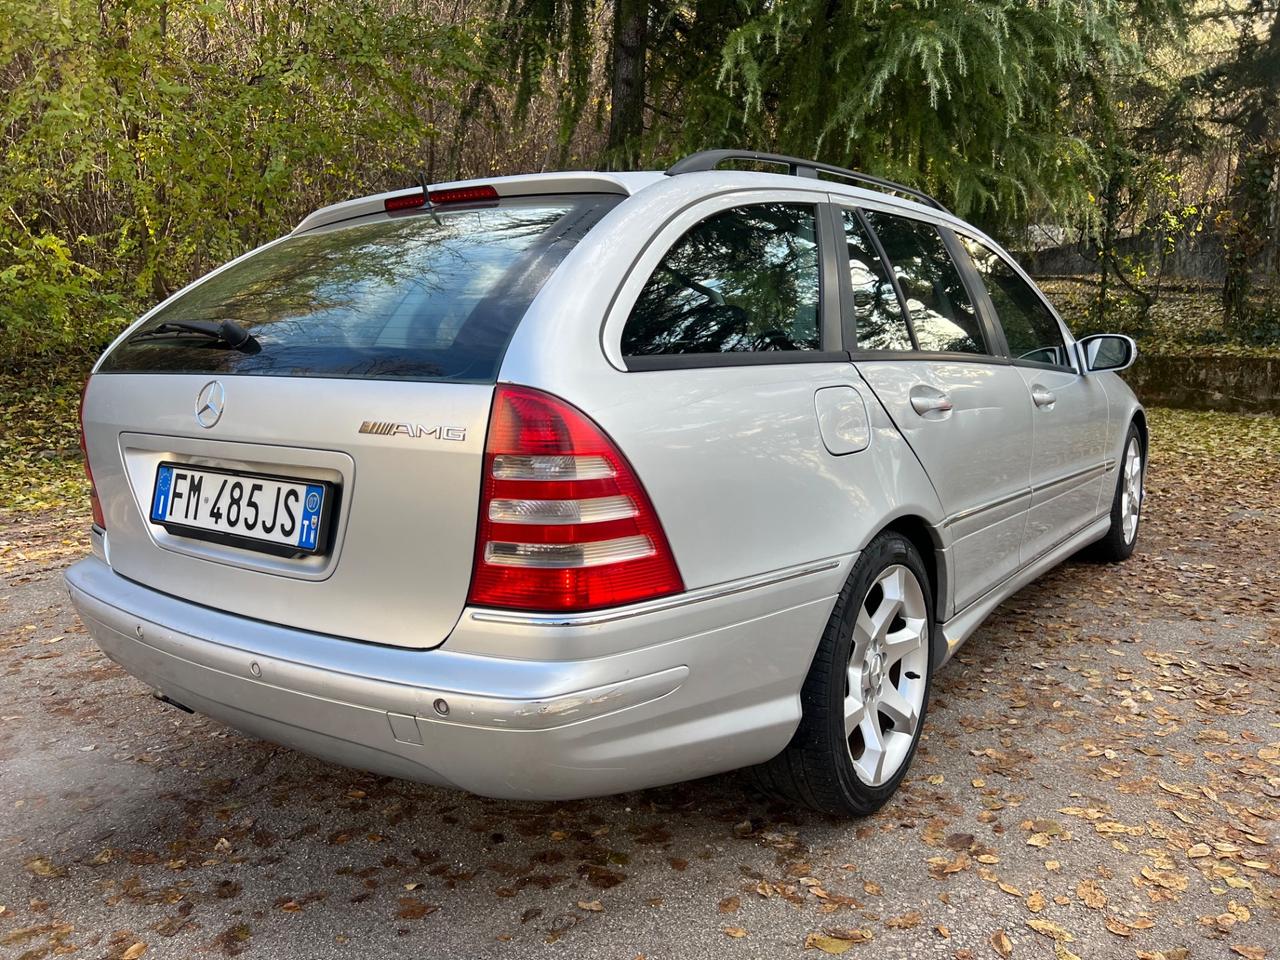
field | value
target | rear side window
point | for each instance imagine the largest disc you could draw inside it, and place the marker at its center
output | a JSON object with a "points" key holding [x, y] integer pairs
{"points": [[941, 312], [744, 279], [1030, 327], [877, 312], [421, 296]]}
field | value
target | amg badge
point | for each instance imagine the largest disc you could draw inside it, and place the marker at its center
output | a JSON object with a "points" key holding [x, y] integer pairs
{"points": [[388, 428]]}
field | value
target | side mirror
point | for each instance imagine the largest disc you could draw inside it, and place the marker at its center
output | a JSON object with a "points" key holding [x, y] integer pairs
{"points": [[1107, 351]]}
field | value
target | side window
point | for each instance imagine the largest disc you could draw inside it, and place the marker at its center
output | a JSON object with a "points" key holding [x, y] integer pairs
{"points": [[744, 279], [1031, 329], [942, 315], [877, 312]]}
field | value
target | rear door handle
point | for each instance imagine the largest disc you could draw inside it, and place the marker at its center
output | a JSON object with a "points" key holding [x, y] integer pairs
{"points": [[927, 403], [1042, 397]]}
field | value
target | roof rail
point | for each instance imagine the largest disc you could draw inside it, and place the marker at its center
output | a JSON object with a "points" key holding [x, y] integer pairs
{"points": [[797, 167]]}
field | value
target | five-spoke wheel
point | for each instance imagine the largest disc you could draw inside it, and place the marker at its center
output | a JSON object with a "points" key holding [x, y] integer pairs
{"points": [[885, 679], [863, 702], [1131, 490], [1126, 505]]}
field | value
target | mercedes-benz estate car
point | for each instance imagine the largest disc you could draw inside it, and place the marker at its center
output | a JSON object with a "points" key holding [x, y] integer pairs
{"points": [[570, 484]]}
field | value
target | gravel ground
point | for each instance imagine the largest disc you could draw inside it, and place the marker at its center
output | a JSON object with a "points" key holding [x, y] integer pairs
{"points": [[1100, 777]]}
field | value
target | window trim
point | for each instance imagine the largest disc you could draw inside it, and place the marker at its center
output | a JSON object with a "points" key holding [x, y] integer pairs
{"points": [[739, 358], [830, 348], [939, 355]]}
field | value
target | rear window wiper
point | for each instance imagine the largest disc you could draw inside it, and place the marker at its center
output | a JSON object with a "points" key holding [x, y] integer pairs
{"points": [[225, 331]]}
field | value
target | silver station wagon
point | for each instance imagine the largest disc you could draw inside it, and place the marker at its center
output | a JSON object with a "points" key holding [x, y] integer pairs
{"points": [[563, 485]]}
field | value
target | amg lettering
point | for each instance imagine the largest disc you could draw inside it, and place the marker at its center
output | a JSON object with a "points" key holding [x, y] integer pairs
{"points": [[389, 428]]}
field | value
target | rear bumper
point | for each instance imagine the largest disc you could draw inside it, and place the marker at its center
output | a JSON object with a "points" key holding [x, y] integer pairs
{"points": [[673, 692]]}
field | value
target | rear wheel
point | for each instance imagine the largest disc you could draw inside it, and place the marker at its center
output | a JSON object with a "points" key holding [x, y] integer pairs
{"points": [[864, 699], [1126, 506]]}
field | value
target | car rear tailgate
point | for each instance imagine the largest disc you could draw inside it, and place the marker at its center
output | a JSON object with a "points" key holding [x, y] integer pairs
{"points": [[398, 566]]}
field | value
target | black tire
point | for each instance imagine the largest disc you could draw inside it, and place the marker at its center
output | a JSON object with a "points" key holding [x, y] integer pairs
{"points": [[1115, 546], [817, 766]]}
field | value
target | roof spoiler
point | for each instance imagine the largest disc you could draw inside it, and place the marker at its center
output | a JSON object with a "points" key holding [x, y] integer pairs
{"points": [[520, 186]]}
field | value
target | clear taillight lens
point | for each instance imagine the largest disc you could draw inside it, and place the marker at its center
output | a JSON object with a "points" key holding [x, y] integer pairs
{"points": [[565, 524]]}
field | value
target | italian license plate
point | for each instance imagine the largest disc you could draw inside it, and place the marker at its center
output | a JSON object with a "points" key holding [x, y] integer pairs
{"points": [[246, 509]]}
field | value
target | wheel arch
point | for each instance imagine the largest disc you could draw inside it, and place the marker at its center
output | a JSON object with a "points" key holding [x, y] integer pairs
{"points": [[925, 537], [1140, 421]]}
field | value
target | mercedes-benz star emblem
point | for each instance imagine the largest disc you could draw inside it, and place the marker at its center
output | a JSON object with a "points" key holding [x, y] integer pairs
{"points": [[210, 402]]}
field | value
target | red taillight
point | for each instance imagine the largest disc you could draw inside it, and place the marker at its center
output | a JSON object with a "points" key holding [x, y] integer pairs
{"points": [[408, 201], [98, 519], [411, 201], [463, 194], [564, 522]]}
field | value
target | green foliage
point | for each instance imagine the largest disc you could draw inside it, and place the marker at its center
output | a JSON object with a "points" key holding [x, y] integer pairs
{"points": [[148, 141], [50, 304], [550, 36], [144, 142], [40, 462], [961, 97]]}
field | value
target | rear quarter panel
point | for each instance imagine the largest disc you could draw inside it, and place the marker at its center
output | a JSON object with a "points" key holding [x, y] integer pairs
{"points": [[731, 456]]}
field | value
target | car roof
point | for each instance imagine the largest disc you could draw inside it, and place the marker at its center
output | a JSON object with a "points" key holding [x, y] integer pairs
{"points": [[629, 184]]}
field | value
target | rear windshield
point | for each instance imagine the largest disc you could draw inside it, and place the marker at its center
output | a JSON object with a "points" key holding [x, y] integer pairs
{"points": [[429, 295]]}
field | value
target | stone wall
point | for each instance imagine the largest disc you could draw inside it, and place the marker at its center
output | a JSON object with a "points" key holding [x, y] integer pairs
{"points": [[1234, 384]]}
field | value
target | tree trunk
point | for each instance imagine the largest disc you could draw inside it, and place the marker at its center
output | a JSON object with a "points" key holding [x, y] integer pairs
{"points": [[627, 83], [1106, 246], [1248, 235]]}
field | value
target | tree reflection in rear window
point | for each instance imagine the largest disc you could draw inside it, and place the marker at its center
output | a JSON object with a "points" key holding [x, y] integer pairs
{"points": [[430, 295]]}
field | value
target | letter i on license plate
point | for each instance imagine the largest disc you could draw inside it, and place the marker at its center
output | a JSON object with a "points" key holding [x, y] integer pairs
{"points": [[254, 511]]}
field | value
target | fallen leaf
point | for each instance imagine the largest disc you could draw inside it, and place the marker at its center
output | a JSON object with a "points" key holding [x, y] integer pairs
{"points": [[1050, 929], [1118, 927], [594, 906], [959, 841], [904, 922], [134, 952], [1062, 953], [43, 867], [411, 908], [1166, 878], [831, 945], [1093, 895], [736, 932], [729, 905], [1249, 953], [1001, 944], [1036, 901]]}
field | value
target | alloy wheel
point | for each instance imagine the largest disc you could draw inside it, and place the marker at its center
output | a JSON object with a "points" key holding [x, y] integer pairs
{"points": [[885, 684], [1131, 491]]}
